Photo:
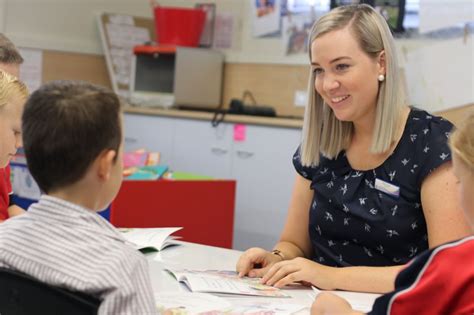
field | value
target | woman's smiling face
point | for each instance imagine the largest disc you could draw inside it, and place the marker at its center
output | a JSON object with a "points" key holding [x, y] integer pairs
{"points": [[345, 76]]}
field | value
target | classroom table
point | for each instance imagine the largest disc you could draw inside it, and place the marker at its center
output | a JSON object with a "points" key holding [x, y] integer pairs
{"points": [[202, 257]]}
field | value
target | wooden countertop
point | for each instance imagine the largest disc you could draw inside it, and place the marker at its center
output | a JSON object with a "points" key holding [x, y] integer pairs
{"points": [[243, 119], [455, 115]]}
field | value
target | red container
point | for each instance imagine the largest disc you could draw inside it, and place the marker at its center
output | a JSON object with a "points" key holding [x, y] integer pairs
{"points": [[179, 26]]}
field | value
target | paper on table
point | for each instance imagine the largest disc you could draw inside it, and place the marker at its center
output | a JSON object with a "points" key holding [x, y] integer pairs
{"points": [[359, 301], [190, 303], [198, 303], [150, 239], [267, 308], [224, 282]]}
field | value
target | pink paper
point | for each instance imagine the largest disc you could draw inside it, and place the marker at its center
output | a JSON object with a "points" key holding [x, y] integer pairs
{"points": [[134, 159], [239, 132]]}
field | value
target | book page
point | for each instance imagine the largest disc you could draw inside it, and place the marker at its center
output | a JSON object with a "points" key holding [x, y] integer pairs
{"points": [[224, 282], [157, 238], [217, 285]]}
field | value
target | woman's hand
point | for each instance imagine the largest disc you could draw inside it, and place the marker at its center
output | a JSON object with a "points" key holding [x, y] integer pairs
{"points": [[255, 262], [299, 270], [328, 303]]}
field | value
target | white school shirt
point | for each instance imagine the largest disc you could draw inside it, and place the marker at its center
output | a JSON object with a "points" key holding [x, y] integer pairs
{"points": [[65, 245]]}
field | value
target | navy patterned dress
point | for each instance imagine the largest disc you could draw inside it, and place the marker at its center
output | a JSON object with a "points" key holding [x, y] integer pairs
{"points": [[355, 220]]}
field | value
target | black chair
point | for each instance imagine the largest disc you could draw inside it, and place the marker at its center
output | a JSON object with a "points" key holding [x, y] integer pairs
{"points": [[21, 294]]}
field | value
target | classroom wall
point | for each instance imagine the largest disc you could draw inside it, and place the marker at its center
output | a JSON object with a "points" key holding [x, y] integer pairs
{"points": [[262, 79], [439, 73], [59, 65]]}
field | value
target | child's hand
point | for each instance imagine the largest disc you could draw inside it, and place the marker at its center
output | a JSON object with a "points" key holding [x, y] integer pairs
{"points": [[328, 303]]}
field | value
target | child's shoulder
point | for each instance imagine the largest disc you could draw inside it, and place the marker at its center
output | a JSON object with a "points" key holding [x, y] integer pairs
{"points": [[463, 246], [446, 256]]}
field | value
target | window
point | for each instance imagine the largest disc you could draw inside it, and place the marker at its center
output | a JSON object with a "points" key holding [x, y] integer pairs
{"points": [[412, 19]]}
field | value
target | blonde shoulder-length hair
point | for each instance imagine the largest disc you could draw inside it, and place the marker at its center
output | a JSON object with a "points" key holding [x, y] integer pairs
{"points": [[11, 86], [323, 133]]}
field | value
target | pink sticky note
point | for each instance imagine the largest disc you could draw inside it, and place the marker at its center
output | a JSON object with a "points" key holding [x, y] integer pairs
{"points": [[239, 132]]}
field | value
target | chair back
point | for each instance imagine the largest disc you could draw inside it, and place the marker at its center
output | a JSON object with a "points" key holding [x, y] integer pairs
{"points": [[21, 294]]}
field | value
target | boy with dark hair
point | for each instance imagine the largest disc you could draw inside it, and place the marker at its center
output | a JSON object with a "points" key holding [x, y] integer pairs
{"points": [[10, 58], [10, 61], [73, 145]]}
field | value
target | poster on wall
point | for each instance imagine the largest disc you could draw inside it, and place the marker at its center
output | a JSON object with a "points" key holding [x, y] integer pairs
{"points": [[207, 35], [392, 10], [295, 33], [224, 28], [265, 16], [119, 34]]}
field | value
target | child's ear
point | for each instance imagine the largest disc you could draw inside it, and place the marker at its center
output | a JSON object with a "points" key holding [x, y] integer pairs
{"points": [[106, 162]]}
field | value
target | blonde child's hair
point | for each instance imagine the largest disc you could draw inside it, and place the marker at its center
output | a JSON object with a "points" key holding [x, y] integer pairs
{"points": [[322, 132], [462, 141], [11, 86]]}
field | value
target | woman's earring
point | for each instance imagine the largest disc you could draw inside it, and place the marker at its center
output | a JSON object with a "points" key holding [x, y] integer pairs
{"points": [[381, 77]]}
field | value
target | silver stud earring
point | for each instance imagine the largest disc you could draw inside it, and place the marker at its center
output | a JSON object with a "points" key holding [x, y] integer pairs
{"points": [[381, 77]]}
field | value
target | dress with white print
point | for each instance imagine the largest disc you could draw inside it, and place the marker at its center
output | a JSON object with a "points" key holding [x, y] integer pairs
{"points": [[350, 218]]}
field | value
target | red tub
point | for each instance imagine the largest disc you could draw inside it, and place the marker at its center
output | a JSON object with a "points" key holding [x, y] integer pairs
{"points": [[179, 26]]}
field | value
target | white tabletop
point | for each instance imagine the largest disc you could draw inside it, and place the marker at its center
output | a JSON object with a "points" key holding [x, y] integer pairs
{"points": [[202, 257]]}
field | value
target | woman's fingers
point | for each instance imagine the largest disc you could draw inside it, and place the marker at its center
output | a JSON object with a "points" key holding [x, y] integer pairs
{"points": [[288, 279], [258, 272], [244, 265], [249, 259], [282, 270]]}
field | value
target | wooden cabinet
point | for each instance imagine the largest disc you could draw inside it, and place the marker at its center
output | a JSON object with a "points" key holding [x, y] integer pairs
{"points": [[261, 164]]}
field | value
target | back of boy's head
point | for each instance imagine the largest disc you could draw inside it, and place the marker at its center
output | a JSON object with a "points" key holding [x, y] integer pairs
{"points": [[8, 52], [66, 125]]}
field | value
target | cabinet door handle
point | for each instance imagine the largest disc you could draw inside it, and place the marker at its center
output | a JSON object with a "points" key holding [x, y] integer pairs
{"points": [[218, 151], [244, 154]]}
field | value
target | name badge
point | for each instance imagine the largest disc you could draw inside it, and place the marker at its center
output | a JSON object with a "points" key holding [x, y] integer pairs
{"points": [[387, 188]]}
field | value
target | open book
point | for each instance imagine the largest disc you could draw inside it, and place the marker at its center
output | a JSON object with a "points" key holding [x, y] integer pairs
{"points": [[223, 282], [150, 239]]}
